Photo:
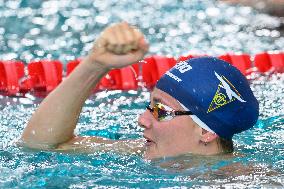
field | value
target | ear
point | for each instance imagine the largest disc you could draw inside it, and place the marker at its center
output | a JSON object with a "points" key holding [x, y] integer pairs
{"points": [[207, 136]]}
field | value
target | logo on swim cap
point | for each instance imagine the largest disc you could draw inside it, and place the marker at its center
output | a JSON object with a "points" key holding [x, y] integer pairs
{"points": [[225, 94]]}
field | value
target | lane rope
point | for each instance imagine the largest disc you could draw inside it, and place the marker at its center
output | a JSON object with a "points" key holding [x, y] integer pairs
{"points": [[43, 76]]}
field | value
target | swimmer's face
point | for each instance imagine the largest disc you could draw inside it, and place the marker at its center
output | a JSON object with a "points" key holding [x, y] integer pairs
{"points": [[176, 136]]}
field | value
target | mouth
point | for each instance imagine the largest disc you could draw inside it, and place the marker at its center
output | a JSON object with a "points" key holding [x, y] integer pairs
{"points": [[149, 141]]}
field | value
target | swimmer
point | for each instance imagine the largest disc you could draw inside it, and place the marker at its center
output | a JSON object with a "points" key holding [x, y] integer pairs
{"points": [[196, 107], [274, 7]]}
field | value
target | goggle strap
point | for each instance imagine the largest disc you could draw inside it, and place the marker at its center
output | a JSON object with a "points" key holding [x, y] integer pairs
{"points": [[183, 113]]}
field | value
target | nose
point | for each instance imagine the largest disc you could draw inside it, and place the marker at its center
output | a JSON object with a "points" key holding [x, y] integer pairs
{"points": [[145, 120]]}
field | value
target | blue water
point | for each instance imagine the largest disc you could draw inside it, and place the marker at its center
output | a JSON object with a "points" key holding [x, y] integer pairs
{"points": [[32, 29]]}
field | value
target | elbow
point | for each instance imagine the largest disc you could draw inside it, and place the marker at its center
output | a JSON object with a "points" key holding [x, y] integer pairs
{"points": [[43, 139]]}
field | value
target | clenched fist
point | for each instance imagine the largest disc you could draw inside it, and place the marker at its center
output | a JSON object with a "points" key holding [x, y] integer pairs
{"points": [[119, 45]]}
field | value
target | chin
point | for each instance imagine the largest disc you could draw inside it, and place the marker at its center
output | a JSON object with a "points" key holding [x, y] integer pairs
{"points": [[148, 155], [151, 153]]}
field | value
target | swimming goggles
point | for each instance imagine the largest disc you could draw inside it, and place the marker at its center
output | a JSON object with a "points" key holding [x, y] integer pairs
{"points": [[163, 112]]}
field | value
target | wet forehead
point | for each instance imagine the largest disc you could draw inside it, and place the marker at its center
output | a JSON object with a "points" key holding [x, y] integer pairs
{"points": [[160, 96]]}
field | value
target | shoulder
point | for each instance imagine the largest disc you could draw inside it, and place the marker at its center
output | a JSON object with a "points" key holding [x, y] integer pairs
{"points": [[87, 144]]}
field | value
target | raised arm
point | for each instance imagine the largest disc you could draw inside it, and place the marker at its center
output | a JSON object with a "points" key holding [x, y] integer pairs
{"points": [[55, 119]]}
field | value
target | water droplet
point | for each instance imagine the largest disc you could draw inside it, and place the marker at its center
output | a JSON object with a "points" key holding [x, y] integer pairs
{"points": [[101, 19], [34, 31]]}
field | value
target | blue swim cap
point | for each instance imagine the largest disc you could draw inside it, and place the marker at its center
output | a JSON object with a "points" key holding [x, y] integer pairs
{"points": [[215, 91]]}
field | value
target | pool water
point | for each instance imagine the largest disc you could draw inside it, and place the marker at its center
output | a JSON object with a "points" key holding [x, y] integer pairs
{"points": [[65, 29], [113, 115]]}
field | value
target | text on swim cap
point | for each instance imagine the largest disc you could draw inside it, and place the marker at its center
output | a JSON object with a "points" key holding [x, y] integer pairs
{"points": [[183, 67], [173, 76]]}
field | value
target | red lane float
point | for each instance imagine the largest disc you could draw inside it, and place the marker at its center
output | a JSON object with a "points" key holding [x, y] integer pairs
{"points": [[127, 78], [124, 78], [11, 73], [183, 58], [189, 56], [43, 76], [240, 61], [119, 79], [266, 61], [153, 68], [72, 65]]}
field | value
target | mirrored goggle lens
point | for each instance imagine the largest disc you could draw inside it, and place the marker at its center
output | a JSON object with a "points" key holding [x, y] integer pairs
{"points": [[159, 112]]}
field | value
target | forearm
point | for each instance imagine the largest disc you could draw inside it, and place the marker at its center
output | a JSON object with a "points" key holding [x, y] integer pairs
{"points": [[55, 119]]}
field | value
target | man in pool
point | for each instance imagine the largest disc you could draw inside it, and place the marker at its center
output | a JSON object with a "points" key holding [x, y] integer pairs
{"points": [[196, 107]]}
